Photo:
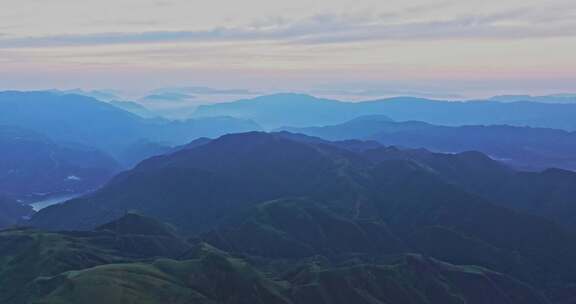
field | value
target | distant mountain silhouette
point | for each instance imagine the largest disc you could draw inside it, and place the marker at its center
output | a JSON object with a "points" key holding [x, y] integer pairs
{"points": [[273, 111], [106, 95], [556, 98], [84, 120], [522, 147], [297, 110], [134, 108]]}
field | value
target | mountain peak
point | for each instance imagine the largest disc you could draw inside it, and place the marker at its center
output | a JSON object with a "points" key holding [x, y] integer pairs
{"points": [[134, 223]]}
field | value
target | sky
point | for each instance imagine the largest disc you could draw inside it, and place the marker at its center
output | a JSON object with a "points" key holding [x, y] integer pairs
{"points": [[360, 48]]}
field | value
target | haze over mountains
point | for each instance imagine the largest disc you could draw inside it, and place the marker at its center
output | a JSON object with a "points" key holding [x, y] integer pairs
{"points": [[297, 110], [33, 166], [522, 147], [55, 143], [288, 198], [132, 133], [556, 98], [80, 119]]}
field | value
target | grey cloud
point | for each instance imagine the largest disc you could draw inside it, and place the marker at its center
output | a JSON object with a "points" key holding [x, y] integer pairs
{"points": [[326, 28]]}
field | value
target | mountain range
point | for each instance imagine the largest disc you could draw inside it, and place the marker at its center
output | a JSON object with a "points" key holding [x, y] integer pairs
{"points": [[522, 147], [290, 197], [85, 120], [299, 110], [555, 98], [343, 205]]}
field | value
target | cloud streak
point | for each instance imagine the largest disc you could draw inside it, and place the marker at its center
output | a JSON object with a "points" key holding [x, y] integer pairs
{"points": [[322, 29], [203, 91]]}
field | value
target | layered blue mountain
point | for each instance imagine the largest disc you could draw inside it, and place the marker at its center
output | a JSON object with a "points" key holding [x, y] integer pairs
{"points": [[106, 95], [273, 111], [283, 197], [33, 166], [522, 147], [87, 121], [134, 108], [555, 98], [297, 110]]}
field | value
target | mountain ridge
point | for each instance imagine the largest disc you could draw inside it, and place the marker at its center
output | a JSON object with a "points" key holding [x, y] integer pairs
{"points": [[270, 111], [526, 148]]}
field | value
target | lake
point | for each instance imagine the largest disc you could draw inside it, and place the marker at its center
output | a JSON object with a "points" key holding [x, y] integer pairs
{"points": [[53, 200]]}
